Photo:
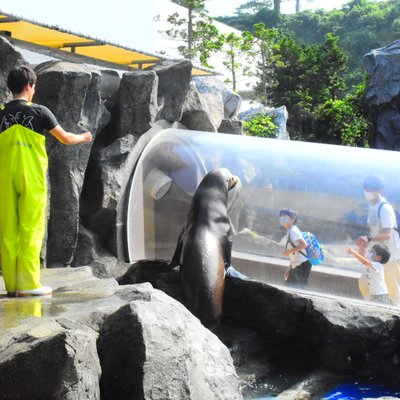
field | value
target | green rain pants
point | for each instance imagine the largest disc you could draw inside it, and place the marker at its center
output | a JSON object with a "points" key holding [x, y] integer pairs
{"points": [[23, 196]]}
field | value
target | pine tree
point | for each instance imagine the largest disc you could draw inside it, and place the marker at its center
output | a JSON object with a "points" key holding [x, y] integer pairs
{"points": [[200, 36]]}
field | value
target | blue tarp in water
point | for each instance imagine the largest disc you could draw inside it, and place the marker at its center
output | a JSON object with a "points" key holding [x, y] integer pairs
{"points": [[359, 391]]}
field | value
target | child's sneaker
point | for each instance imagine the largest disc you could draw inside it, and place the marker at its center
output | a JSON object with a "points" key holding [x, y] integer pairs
{"points": [[41, 291]]}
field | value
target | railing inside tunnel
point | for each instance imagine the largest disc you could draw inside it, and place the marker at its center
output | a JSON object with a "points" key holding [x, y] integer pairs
{"points": [[322, 182]]}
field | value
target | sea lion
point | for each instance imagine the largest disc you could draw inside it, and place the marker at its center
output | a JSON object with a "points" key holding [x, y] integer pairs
{"points": [[204, 247]]}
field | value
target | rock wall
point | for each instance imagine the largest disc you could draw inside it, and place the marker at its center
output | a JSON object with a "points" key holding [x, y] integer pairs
{"points": [[88, 183], [300, 332], [98, 340], [383, 95]]}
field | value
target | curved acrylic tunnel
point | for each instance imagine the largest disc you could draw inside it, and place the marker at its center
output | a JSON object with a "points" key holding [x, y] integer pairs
{"points": [[322, 182]]}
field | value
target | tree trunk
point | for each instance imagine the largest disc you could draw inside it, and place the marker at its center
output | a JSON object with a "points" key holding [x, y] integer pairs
{"points": [[277, 6], [233, 69], [297, 6], [190, 33], [263, 76]]}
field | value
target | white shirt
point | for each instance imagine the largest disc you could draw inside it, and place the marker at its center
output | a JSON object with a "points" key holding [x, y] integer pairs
{"points": [[376, 279], [296, 258], [386, 219]]}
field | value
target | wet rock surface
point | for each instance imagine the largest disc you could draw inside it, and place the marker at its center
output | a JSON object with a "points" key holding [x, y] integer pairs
{"points": [[303, 343], [95, 339]]}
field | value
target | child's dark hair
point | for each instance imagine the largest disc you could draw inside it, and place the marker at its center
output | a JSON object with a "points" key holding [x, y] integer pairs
{"points": [[19, 77], [291, 213], [381, 251]]}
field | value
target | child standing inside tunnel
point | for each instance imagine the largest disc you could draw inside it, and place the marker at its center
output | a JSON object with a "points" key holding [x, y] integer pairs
{"points": [[23, 194], [374, 261], [299, 268]]}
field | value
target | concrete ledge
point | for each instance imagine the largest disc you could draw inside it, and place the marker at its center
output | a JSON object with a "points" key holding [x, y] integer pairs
{"points": [[324, 279]]}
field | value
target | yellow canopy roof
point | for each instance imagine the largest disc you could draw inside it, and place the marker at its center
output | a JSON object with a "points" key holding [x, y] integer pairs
{"points": [[55, 37]]}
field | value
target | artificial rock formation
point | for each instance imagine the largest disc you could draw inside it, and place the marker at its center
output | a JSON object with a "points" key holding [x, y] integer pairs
{"points": [[10, 58], [300, 332], [72, 92], [383, 95], [97, 340], [202, 115], [279, 115], [88, 183], [174, 80], [210, 84], [133, 106], [55, 359]]}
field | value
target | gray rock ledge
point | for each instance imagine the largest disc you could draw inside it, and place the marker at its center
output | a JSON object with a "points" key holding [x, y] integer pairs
{"points": [[95, 339]]}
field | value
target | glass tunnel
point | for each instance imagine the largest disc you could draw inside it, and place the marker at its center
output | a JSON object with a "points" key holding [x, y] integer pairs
{"points": [[323, 183]]}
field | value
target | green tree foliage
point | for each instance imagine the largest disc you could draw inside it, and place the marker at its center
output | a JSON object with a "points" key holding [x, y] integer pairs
{"points": [[303, 78], [200, 36], [253, 6], [362, 25], [311, 62], [262, 50], [262, 126], [233, 50], [343, 121]]}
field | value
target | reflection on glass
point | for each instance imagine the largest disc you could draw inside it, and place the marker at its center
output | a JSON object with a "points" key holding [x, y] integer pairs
{"points": [[322, 182]]}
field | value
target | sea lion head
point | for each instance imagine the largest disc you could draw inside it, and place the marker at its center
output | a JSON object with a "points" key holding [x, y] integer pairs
{"points": [[230, 179]]}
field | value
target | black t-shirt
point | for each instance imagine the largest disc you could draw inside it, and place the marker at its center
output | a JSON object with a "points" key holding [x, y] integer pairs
{"points": [[33, 116]]}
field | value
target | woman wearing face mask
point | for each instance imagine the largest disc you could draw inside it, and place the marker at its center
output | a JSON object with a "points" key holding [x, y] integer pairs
{"points": [[382, 223], [299, 268]]}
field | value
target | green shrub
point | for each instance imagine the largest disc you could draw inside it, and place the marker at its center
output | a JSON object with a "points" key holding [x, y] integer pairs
{"points": [[261, 126]]}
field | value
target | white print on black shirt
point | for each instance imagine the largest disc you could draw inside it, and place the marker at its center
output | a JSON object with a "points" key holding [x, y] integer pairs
{"points": [[19, 118]]}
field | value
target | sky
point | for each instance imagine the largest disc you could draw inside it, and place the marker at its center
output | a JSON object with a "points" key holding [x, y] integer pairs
{"points": [[227, 7], [125, 22]]}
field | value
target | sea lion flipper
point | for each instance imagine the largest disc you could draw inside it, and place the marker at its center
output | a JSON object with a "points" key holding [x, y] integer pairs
{"points": [[176, 258]]}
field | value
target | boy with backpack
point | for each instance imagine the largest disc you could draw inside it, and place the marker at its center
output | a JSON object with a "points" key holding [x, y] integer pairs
{"points": [[300, 267]]}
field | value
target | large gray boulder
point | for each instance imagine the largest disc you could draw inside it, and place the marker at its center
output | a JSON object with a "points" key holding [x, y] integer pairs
{"points": [[211, 84], [134, 105], [279, 115], [10, 58], [304, 332], [300, 331], [202, 112], [383, 93], [54, 359], [110, 342], [110, 82], [234, 127], [153, 348], [72, 92], [174, 79]]}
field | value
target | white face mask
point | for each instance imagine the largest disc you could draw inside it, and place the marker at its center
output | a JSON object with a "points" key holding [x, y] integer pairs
{"points": [[370, 196], [370, 255], [283, 220]]}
